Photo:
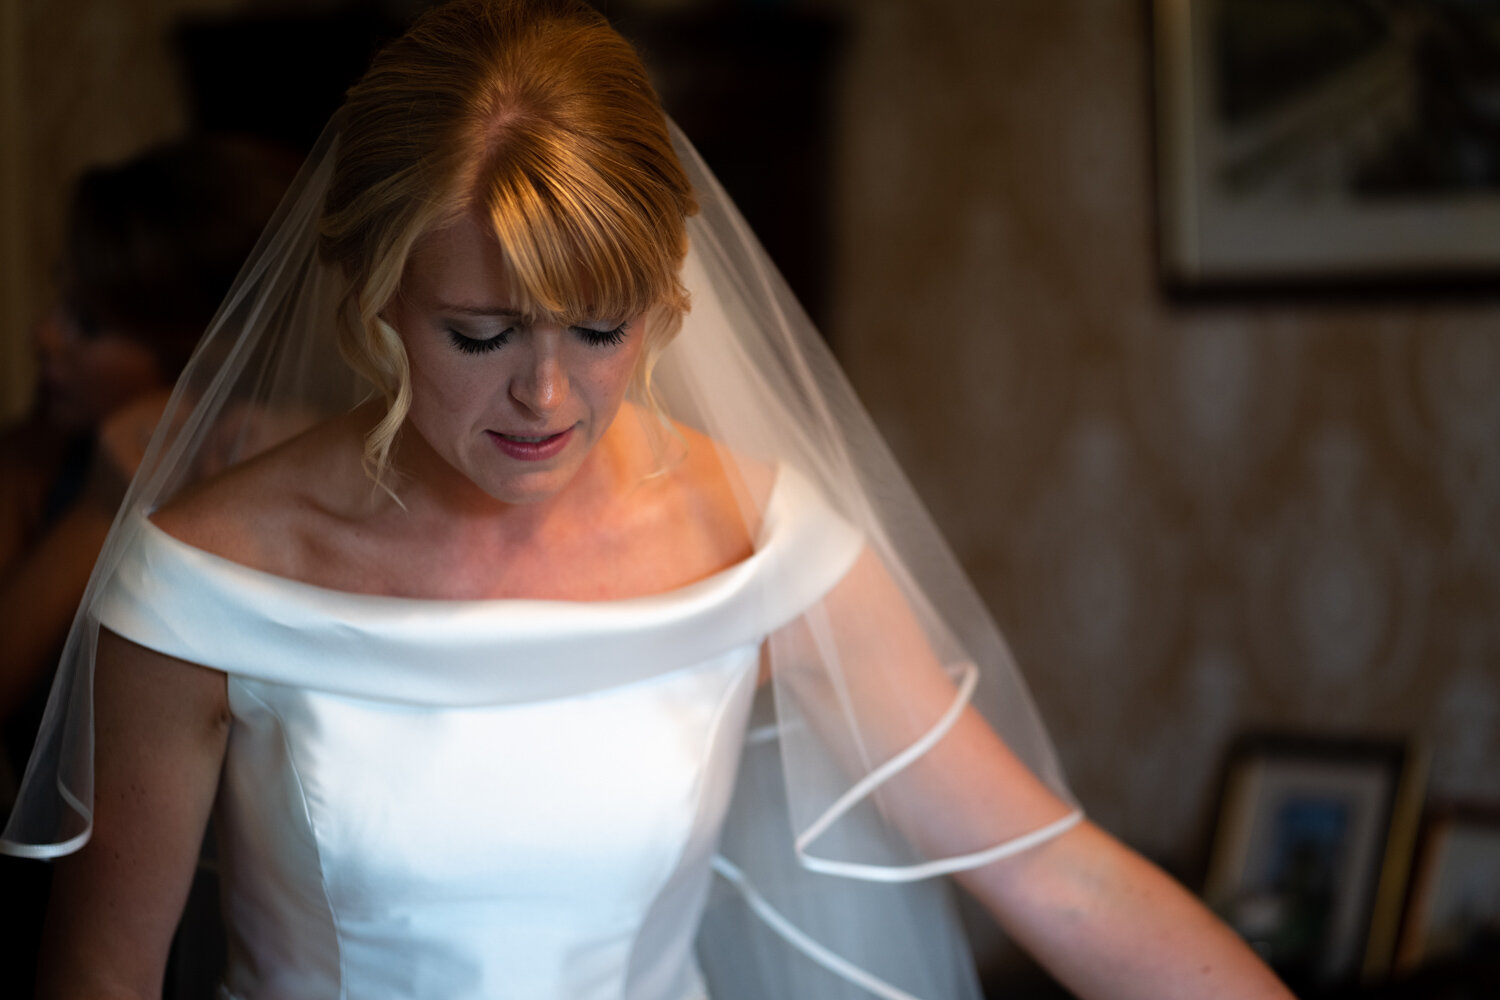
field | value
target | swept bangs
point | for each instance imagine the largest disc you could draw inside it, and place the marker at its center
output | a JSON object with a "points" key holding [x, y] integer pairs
{"points": [[583, 238]]}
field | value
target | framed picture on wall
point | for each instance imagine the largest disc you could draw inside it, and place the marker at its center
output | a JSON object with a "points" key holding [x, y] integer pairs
{"points": [[1453, 911], [1311, 850], [1332, 142]]}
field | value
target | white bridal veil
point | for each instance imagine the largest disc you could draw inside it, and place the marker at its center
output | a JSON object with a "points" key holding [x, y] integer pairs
{"points": [[867, 773]]}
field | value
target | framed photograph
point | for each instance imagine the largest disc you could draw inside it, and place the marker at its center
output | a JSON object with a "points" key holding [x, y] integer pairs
{"points": [[1337, 142], [1453, 911], [1311, 851]]}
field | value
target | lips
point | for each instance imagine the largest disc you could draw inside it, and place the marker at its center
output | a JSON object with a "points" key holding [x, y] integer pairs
{"points": [[531, 447]]}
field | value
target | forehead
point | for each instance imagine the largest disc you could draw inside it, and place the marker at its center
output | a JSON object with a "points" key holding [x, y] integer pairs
{"points": [[461, 262]]}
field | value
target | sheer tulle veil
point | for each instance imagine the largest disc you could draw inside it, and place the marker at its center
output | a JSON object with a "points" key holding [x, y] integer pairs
{"points": [[823, 891]]}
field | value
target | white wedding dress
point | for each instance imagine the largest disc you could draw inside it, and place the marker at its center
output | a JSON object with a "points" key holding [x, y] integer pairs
{"points": [[475, 798]]}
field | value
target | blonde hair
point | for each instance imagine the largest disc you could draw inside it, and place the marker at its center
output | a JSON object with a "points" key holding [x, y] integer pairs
{"points": [[539, 114]]}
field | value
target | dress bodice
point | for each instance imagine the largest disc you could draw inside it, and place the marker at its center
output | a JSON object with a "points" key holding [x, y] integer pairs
{"points": [[474, 799]]}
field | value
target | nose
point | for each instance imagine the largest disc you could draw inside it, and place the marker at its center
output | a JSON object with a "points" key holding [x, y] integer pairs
{"points": [[541, 383]]}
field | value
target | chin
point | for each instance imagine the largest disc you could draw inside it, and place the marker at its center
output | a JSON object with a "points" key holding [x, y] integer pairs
{"points": [[528, 487]]}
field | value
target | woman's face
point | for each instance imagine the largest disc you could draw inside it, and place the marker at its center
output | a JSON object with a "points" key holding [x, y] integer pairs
{"points": [[515, 405], [86, 372]]}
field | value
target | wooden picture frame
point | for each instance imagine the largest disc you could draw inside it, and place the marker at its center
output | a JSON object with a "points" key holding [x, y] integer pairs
{"points": [[1327, 144], [1453, 909], [1311, 851]]}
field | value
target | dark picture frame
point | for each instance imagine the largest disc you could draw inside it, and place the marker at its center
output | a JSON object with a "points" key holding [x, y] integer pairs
{"points": [[1311, 850], [1452, 912], [1326, 144]]}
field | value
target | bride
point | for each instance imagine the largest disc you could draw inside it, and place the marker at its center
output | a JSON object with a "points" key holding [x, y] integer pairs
{"points": [[572, 636]]}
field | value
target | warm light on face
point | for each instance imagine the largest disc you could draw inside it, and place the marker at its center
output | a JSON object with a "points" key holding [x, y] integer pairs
{"points": [[515, 403]]}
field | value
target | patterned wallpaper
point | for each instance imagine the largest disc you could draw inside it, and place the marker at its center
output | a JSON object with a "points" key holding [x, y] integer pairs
{"points": [[1190, 519]]}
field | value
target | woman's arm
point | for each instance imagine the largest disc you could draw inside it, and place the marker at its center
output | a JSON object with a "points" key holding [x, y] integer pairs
{"points": [[1109, 924], [160, 730], [42, 581], [38, 596], [1103, 920]]}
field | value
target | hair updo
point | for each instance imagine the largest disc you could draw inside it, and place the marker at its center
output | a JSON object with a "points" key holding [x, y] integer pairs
{"points": [[539, 114]]}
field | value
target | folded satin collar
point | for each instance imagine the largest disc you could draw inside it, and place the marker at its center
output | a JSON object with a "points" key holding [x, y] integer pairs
{"points": [[187, 603]]}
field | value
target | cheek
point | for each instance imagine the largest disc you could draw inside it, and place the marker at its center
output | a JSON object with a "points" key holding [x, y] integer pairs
{"points": [[615, 378], [446, 393]]}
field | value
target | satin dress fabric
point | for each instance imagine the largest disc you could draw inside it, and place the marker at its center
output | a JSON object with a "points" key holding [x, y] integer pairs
{"points": [[469, 799]]}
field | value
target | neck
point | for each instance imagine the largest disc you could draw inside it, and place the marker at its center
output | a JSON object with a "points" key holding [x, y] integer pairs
{"points": [[436, 496]]}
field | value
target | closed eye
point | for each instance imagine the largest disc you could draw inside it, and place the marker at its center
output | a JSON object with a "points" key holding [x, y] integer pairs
{"points": [[478, 345], [602, 338]]}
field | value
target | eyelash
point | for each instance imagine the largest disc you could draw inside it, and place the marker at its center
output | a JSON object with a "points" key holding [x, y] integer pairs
{"points": [[602, 338], [594, 338], [471, 345]]}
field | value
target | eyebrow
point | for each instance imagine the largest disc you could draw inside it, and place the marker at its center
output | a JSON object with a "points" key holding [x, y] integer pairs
{"points": [[508, 312]]}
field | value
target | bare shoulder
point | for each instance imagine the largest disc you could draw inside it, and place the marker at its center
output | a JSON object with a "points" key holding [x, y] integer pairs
{"points": [[724, 487], [253, 512]]}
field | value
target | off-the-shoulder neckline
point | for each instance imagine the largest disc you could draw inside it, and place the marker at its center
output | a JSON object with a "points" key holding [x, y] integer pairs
{"points": [[784, 481], [171, 597]]}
